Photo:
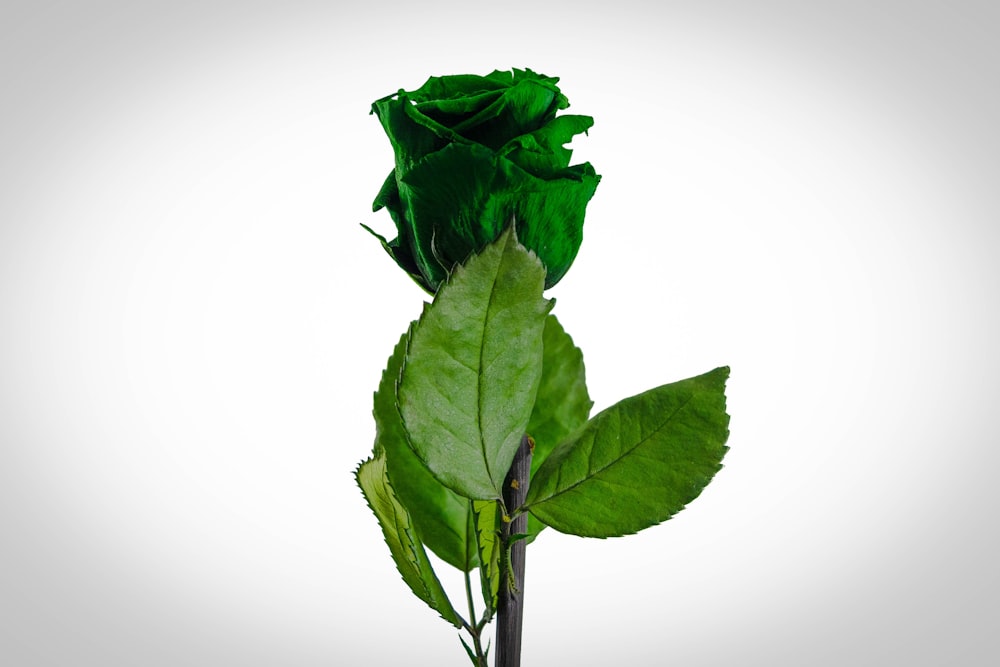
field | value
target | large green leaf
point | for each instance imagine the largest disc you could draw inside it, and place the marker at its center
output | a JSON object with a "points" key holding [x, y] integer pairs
{"points": [[473, 366], [440, 515], [636, 463], [406, 549], [562, 405]]}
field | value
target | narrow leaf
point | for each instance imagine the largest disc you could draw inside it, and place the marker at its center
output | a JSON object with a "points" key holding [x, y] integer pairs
{"points": [[638, 462], [469, 651], [472, 368], [486, 514], [440, 515], [407, 551]]}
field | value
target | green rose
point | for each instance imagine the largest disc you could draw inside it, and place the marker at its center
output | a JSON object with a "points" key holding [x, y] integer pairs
{"points": [[474, 153]]}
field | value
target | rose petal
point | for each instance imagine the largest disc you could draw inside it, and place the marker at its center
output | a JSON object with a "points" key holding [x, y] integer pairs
{"points": [[542, 152], [452, 217], [523, 108], [401, 248], [550, 218], [449, 200], [455, 85]]}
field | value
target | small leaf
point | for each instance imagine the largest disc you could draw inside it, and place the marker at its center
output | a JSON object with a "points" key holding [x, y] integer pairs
{"points": [[638, 462], [407, 551], [562, 405], [440, 515], [486, 513], [469, 651], [472, 368]]}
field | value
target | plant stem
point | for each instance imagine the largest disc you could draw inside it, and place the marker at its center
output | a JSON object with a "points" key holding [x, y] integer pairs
{"points": [[510, 596], [468, 598], [476, 630]]}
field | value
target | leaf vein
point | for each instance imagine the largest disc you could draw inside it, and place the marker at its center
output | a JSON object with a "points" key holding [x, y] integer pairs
{"points": [[591, 475]]}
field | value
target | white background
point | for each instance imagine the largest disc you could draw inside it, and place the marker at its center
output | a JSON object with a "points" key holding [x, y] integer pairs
{"points": [[193, 323]]}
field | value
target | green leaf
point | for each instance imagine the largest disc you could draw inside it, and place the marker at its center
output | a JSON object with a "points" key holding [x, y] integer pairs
{"points": [[562, 405], [487, 528], [637, 463], [406, 549], [472, 368], [440, 515], [469, 651]]}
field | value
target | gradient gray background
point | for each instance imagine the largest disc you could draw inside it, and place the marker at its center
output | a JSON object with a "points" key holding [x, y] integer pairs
{"points": [[193, 324]]}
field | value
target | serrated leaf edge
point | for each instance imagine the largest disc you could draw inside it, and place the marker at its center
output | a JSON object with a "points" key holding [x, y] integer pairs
{"points": [[569, 442], [509, 235], [442, 607]]}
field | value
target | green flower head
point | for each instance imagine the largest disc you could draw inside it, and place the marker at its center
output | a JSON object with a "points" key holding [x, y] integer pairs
{"points": [[473, 154]]}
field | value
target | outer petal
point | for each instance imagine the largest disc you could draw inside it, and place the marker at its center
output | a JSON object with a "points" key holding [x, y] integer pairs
{"points": [[550, 218], [410, 140], [450, 198], [400, 248], [543, 151], [453, 217]]}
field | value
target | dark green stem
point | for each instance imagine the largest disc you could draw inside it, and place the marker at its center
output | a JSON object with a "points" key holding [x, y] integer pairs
{"points": [[510, 596]]}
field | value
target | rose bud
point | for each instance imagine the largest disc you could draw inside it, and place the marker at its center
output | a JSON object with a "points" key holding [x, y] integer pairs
{"points": [[473, 154]]}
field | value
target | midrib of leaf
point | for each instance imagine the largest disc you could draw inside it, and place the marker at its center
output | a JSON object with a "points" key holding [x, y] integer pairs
{"points": [[462, 422], [590, 474]]}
